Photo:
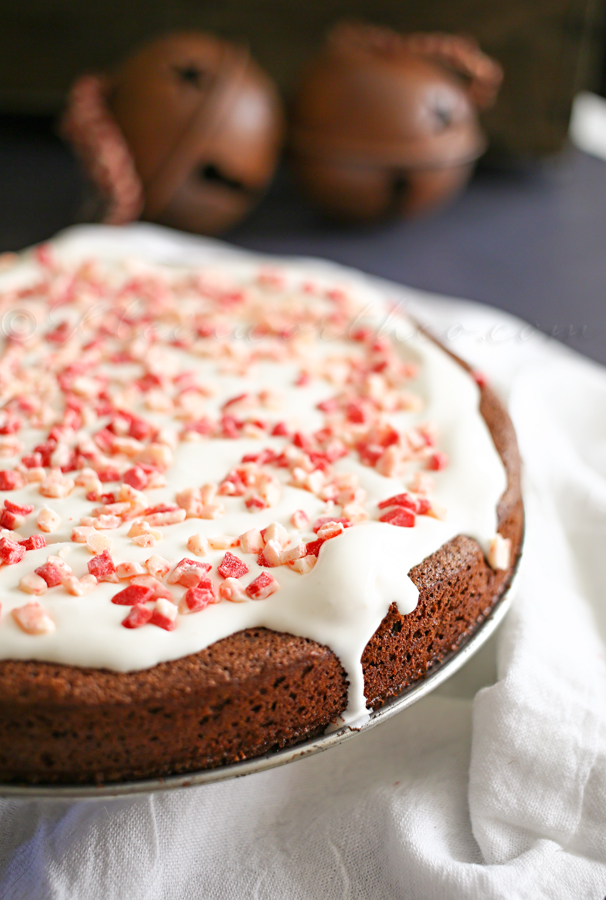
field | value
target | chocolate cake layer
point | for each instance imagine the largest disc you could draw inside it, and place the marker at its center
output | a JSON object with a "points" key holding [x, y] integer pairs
{"points": [[253, 692]]}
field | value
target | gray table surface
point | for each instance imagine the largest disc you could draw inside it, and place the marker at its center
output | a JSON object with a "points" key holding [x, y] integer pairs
{"points": [[532, 243]]}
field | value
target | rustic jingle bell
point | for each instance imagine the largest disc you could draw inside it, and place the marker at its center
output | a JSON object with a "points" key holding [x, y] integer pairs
{"points": [[386, 124], [186, 132]]}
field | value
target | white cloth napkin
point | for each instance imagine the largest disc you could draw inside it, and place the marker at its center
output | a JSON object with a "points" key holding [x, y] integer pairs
{"points": [[501, 795]]}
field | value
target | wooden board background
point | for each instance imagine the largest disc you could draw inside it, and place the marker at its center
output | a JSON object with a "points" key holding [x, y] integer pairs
{"points": [[549, 48]]}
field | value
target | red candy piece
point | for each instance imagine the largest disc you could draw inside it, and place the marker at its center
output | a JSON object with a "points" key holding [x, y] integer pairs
{"points": [[17, 509], [206, 567], [10, 480], [108, 474], [198, 598], [313, 548], [323, 520], [232, 566], [11, 425], [10, 520], [35, 542], [404, 500], [255, 502], [11, 552], [404, 518], [136, 477], [138, 616], [437, 461], [162, 508], [133, 594], [167, 622], [280, 430], [262, 586], [423, 506], [102, 565], [50, 573]]}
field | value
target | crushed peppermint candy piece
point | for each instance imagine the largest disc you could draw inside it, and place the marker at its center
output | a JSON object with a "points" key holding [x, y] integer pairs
{"points": [[303, 565], [138, 616], [195, 599], [164, 615], [404, 500], [299, 519], [34, 542], [33, 618], [33, 584], [48, 520], [18, 509], [223, 541], [232, 567], [331, 530], [263, 586], [157, 566], [102, 567], [145, 540], [188, 572], [400, 516], [129, 570], [11, 552], [150, 581], [51, 573], [134, 593], [499, 553], [298, 551], [198, 544], [270, 555], [251, 541], [10, 520], [233, 590], [275, 532], [437, 461], [98, 542], [326, 520], [11, 480], [79, 587]]}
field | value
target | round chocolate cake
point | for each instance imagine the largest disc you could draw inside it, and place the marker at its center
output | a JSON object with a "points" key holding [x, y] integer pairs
{"points": [[240, 504]]}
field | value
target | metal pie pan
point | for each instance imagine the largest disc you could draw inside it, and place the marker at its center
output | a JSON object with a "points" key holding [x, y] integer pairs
{"points": [[410, 695]]}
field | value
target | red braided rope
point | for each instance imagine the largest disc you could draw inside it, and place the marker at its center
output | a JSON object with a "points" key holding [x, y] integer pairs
{"points": [[90, 128], [460, 53]]}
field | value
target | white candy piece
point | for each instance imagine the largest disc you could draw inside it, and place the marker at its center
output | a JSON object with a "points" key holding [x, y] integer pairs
{"points": [[499, 553], [98, 542], [276, 532], [157, 566], [166, 608], [48, 520], [129, 569], [305, 565], [251, 541], [79, 586], [198, 544], [33, 584], [296, 552], [233, 590], [223, 541], [272, 553], [33, 619]]}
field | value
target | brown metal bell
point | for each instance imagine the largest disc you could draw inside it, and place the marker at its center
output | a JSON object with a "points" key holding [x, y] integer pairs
{"points": [[384, 124], [186, 132]]}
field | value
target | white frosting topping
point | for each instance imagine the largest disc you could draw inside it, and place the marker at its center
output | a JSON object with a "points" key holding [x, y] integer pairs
{"points": [[343, 599]]}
